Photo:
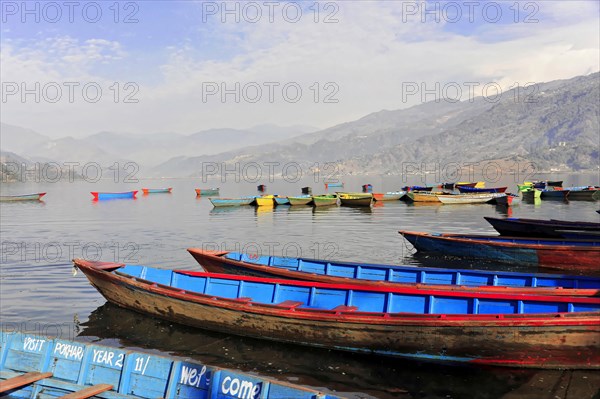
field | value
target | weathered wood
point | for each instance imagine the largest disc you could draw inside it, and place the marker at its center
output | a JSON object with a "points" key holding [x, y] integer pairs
{"points": [[22, 380], [88, 392], [344, 308]]}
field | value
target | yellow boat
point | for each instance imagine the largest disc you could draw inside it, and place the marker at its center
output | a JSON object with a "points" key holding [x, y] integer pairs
{"points": [[265, 200], [425, 196]]}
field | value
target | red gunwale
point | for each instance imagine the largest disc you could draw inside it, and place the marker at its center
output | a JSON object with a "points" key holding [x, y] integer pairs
{"points": [[218, 256], [539, 319]]}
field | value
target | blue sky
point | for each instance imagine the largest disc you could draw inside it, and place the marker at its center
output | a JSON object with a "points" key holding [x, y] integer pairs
{"points": [[360, 53]]}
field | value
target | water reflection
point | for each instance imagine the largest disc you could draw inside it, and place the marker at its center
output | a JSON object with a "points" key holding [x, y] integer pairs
{"points": [[347, 374]]}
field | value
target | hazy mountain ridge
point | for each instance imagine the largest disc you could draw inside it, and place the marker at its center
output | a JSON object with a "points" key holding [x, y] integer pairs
{"points": [[555, 127]]}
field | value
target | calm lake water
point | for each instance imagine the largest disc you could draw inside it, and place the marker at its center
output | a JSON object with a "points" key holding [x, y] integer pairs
{"points": [[39, 293]]}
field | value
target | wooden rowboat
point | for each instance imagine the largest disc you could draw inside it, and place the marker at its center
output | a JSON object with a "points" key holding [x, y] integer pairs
{"points": [[265, 200], [554, 194], [356, 199], [425, 196], [532, 194], [445, 326], [325, 200], [301, 200], [98, 196], [207, 191], [563, 254], [34, 366], [226, 202], [519, 227], [281, 200], [333, 184], [389, 196], [393, 275], [147, 191], [584, 194], [507, 200], [469, 198], [475, 190], [26, 197]]}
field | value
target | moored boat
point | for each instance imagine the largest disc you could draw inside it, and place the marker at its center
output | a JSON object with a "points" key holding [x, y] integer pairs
{"points": [[333, 184], [477, 184], [265, 200], [325, 200], [225, 202], [475, 190], [425, 196], [445, 326], [262, 188], [355, 199], [480, 198], [590, 193], [554, 194], [281, 200], [109, 196], [306, 190], [301, 200], [562, 254], [520, 227], [147, 191], [327, 271], [389, 196], [532, 194], [25, 197], [34, 366], [367, 188], [507, 200], [207, 191], [526, 186], [417, 188]]}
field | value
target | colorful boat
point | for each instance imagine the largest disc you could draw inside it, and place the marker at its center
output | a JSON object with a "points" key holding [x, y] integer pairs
{"points": [[367, 188], [562, 254], [333, 184], [334, 272], [507, 200], [281, 200], [265, 200], [435, 325], [207, 191], [590, 193], [108, 196], [301, 200], [554, 194], [518, 227], [417, 188], [25, 197], [34, 366], [224, 202], [481, 198], [389, 196], [526, 186], [475, 190], [532, 194], [425, 196], [477, 184], [147, 191], [355, 199], [325, 200]]}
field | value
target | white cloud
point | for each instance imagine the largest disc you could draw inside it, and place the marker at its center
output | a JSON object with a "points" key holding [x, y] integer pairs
{"points": [[368, 54]]}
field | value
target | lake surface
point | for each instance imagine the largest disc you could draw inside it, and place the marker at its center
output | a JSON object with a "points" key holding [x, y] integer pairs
{"points": [[39, 293]]}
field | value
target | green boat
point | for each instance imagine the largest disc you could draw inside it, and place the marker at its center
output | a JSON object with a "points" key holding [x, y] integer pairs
{"points": [[301, 200], [325, 200], [526, 186]]}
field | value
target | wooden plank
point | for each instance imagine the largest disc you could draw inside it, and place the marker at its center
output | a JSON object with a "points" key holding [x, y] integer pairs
{"points": [[22, 380], [88, 392], [344, 308], [288, 304]]}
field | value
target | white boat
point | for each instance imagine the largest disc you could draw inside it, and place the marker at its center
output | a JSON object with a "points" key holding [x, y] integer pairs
{"points": [[480, 198]]}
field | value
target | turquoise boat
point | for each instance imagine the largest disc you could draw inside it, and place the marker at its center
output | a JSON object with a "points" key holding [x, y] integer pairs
{"points": [[282, 200], [26, 197], [108, 196], [147, 191], [34, 367], [222, 202]]}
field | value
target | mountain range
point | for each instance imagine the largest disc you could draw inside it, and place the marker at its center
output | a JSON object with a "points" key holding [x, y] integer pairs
{"points": [[554, 125]]}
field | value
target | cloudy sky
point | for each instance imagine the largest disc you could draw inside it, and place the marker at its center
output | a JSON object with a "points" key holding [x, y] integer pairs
{"points": [[76, 68]]}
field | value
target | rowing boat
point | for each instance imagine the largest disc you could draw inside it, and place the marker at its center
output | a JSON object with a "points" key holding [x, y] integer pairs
{"points": [[532, 194], [355, 199], [26, 197], [554, 194], [333, 184], [477, 184], [584, 194], [225, 202], [147, 191], [281, 200], [207, 191], [425, 196], [445, 326], [34, 366], [325, 200], [475, 190], [519, 227], [389, 196], [336, 272], [507, 200], [265, 200], [563, 254], [469, 198], [109, 196], [300, 200]]}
